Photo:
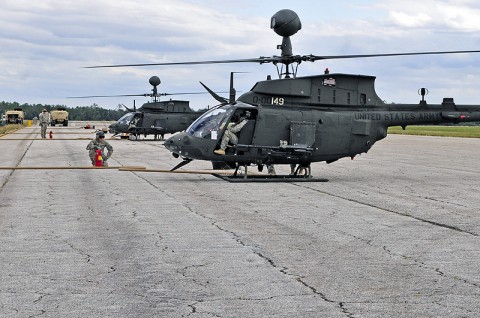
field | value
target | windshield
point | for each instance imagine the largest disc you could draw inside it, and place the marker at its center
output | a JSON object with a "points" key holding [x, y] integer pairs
{"points": [[209, 124], [125, 119]]}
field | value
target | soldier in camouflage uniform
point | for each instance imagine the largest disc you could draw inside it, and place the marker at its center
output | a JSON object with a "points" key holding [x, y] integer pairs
{"points": [[44, 119], [99, 143], [271, 170], [229, 135], [298, 169]]}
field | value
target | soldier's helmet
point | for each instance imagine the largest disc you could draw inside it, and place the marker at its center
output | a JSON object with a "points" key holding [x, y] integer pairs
{"points": [[100, 134]]}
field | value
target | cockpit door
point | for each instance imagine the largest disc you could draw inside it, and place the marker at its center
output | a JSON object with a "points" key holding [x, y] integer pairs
{"points": [[245, 135], [136, 121]]}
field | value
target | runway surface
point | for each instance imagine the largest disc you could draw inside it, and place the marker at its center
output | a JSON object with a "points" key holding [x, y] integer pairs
{"points": [[394, 233]]}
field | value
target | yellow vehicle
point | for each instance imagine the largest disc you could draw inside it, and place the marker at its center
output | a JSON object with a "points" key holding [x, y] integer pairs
{"points": [[15, 116], [59, 116]]}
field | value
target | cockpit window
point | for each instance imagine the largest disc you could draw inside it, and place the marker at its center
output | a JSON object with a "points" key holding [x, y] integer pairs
{"points": [[209, 124], [125, 119]]}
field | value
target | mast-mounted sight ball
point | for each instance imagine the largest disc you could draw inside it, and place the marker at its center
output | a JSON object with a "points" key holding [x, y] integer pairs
{"points": [[285, 22], [154, 81]]}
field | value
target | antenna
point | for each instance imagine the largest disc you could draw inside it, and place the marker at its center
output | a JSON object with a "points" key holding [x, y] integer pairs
{"points": [[423, 91]]}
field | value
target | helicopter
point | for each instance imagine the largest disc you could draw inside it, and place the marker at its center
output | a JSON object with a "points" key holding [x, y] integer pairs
{"points": [[300, 120], [153, 118]]}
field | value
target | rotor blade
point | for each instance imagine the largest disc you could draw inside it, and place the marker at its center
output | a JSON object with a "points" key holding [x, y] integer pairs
{"points": [[129, 108], [166, 94], [144, 95], [287, 59], [260, 60], [221, 99], [313, 58], [109, 95]]}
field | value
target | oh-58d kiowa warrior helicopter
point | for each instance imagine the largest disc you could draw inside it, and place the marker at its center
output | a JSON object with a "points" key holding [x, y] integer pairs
{"points": [[299, 120], [155, 117]]}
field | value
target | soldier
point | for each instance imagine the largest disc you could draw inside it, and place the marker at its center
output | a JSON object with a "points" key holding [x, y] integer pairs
{"points": [[271, 170], [99, 143], [299, 170], [44, 118], [229, 135]]}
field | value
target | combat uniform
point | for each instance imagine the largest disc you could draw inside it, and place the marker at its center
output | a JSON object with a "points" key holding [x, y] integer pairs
{"points": [[44, 119], [271, 170], [229, 135], [99, 143]]}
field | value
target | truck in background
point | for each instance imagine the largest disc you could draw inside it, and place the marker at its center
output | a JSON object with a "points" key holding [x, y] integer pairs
{"points": [[59, 116], [15, 116]]}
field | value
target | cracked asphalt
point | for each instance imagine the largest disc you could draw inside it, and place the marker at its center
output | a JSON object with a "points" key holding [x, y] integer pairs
{"points": [[394, 233]]}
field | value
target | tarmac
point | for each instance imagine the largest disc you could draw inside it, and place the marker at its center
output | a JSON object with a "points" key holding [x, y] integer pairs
{"points": [[393, 233]]}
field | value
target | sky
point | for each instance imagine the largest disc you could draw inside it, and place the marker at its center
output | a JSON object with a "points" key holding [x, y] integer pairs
{"points": [[45, 46]]}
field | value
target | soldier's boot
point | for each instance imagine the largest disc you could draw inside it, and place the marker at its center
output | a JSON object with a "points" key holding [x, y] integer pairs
{"points": [[219, 152]]}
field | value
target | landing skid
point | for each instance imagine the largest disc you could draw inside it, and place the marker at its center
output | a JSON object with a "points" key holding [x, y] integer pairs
{"points": [[269, 178], [293, 177]]}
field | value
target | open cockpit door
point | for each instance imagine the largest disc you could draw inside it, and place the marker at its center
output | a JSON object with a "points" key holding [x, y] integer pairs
{"points": [[244, 136]]}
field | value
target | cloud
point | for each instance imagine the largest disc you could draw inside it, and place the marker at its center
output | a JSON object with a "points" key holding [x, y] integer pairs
{"points": [[410, 20], [439, 15]]}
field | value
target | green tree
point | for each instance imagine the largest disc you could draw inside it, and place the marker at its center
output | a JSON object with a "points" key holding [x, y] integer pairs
{"points": [[84, 113]]}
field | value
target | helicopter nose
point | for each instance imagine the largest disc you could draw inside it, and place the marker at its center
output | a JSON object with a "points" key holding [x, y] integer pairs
{"points": [[174, 143], [112, 127], [169, 143]]}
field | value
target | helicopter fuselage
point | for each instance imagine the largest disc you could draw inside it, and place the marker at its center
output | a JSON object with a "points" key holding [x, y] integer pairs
{"points": [[156, 118], [308, 119]]}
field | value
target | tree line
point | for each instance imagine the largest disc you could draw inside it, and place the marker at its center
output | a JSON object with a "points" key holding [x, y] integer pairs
{"points": [[84, 113]]}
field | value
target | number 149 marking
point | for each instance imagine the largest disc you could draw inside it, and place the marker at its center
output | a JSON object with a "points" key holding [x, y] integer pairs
{"points": [[277, 100]]}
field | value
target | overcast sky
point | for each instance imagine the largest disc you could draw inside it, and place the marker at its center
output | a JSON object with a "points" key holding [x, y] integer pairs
{"points": [[44, 46]]}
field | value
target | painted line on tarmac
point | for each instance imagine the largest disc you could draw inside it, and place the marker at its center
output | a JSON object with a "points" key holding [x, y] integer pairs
{"points": [[137, 168], [80, 138], [119, 168], [8, 132], [58, 133]]}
